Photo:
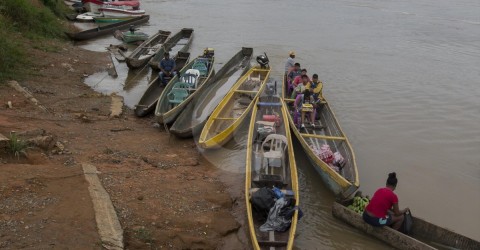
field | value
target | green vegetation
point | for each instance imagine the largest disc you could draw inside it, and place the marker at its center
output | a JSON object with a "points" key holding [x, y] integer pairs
{"points": [[17, 146], [26, 22], [11, 54]]}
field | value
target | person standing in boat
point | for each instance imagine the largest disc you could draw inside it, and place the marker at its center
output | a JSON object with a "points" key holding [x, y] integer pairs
{"points": [[290, 62], [167, 68], [378, 212]]}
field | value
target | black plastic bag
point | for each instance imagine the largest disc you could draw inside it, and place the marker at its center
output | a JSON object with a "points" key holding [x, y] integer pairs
{"points": [[407, 224], [262, 200]]}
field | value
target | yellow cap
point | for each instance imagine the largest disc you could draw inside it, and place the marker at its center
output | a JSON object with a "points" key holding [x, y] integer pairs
{"points": [[292, 53]]}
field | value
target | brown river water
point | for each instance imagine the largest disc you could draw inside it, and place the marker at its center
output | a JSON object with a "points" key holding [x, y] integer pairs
{"points": [[403, 78]]}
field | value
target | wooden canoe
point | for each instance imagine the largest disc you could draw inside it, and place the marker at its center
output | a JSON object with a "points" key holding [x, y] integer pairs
{"points": [[154, 90], [425, 235], [233, 109], [258, 175], [183, 39], [103, 19], [193, 117], [142, 54], [107, 29], [343, 183], [165, 112]]}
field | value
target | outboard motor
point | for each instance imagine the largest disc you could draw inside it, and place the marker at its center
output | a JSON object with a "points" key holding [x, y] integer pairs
{"points": [[263, 61]]}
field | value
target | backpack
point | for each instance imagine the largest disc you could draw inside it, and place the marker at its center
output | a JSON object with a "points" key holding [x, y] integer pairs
{"points": [[262, 201]]}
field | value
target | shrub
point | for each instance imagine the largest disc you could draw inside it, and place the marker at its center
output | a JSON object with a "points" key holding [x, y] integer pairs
{"points": [[11, 53], [26, 17], [17, 146]]}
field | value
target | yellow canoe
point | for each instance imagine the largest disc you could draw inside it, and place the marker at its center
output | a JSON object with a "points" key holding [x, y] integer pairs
{"points": [[342, 181], [261, 172], [233, 109]]}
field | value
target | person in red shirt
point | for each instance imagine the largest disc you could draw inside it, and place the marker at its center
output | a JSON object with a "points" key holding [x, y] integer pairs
{"points": [[378, 214]]}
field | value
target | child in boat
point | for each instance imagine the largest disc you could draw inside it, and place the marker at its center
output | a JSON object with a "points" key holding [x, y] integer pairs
{"points": [[306, 104], [378, 214]]}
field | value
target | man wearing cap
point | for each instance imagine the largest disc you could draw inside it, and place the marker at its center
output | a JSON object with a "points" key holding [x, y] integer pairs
{"points": [[290, 62], [167, 68]]}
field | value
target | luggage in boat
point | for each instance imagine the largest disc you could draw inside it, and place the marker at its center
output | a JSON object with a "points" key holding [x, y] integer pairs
{"points": [[262, 201]]}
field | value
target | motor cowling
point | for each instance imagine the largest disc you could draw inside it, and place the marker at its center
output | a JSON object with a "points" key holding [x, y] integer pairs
{"points": [[262, 60]]}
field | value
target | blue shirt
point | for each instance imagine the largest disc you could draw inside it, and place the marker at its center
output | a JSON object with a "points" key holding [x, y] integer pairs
{"points": [[167, 64]]}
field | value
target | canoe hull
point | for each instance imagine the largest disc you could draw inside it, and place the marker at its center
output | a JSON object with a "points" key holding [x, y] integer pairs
{"points": [[186, 33], [254, 164], [184, 126], [432, 235], [150, 97], [134, 61], [107, 29], [110, 19], [168, 116], [222, 135], [340, 185], [337, 185]]}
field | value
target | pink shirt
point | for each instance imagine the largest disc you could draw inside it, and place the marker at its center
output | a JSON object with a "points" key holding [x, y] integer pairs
{"points": [[298, 79], [381, 202]]}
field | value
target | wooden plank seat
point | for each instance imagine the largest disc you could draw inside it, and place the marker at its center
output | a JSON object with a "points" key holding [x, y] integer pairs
{"points": [[273, 243], [327, 137], [270, 180], [271, 239], [245, 91], [286, 192], [269, 104], [224, 118]]}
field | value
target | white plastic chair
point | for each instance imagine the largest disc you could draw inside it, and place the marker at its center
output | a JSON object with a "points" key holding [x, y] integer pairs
{"points": [[278, 144], [191, 77]]}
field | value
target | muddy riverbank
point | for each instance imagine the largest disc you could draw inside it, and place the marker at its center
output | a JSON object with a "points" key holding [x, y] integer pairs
{"points": [[164, 194]]}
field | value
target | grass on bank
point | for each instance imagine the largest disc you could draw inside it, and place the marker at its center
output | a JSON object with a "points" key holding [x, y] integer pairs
{"points": [[16, 146], [24, 23]]}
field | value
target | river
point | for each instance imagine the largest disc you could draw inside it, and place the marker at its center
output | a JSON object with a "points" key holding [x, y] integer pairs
{"points": [[402, 77]]}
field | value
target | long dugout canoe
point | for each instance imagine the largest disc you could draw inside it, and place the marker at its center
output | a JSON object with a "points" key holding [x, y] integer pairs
{"points": [[425, 235], [196, 113], [107, 29]]}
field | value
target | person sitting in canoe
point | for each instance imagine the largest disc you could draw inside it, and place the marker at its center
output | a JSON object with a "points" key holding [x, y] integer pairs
{"points": [[291, 76], [316, 87], [378, 214], [305, 103], [300, 88], [167, 68], [298, 79]]}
